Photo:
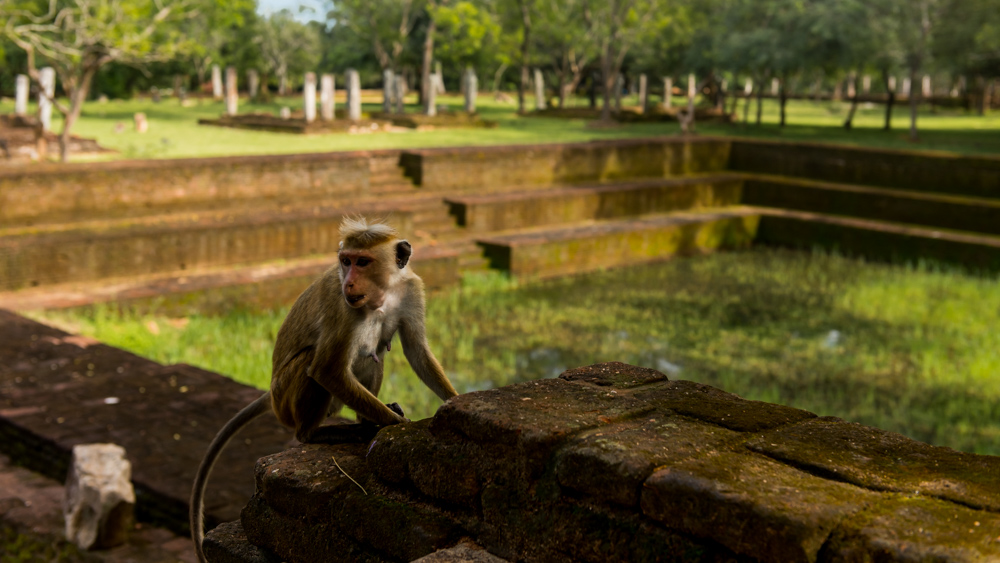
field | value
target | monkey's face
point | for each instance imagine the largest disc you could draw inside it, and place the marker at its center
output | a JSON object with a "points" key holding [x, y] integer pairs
{"points": [[363, 278]]}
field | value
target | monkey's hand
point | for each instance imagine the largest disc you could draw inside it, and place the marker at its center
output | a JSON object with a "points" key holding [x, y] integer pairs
{"points": [[394, 407]]}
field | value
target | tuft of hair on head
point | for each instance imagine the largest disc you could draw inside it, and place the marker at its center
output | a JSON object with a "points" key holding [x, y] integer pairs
{"points": [[357, 232]]}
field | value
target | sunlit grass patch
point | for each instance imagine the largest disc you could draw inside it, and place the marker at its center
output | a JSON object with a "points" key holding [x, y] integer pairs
{"points": [[912, 349]]}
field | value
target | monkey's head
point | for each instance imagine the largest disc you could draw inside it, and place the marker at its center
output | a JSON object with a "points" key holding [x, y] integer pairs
{"points": [[371, 260]]}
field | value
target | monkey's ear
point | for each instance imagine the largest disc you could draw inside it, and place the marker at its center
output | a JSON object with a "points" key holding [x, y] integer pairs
{"points": [[403, 252]]}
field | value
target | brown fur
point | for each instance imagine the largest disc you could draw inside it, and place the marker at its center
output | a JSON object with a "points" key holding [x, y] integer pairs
{"points": [[329, 351]]}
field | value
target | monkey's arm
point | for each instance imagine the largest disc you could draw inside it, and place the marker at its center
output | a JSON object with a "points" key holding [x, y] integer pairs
{"points": [[422, 360], [331, 368]]}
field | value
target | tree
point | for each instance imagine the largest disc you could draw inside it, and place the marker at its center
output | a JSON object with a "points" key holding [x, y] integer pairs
{"points": [[565, 32], [78, 37], [287, 47], [916, 24], [618, 26]]}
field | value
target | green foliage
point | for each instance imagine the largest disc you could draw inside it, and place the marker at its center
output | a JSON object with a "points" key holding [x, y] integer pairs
{"points": [[16, 547], [906, 348], [467, 35]]}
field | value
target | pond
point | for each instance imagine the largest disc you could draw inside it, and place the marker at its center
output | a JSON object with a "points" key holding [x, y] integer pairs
{"points": [[913, 349]]}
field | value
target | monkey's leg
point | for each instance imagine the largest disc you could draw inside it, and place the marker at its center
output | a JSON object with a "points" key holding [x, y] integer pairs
{"points": [[311, 408]]}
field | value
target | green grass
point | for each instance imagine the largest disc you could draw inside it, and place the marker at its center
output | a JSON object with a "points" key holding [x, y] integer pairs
{"points": [[174, 132], [910, 349]]}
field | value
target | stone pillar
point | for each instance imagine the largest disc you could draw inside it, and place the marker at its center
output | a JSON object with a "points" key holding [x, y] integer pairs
{"points": [[430, 104], [539, 89], [851, 90], [47, 86], [906, 86], [748, 87], [353, 95], [668, 92], [326, 92], [926, 89], [253, 83], [866, 84], [692, 88], [774, 86], [440, 78], [216, 82], [642, 93], [22, 86], [388, 89], [309, 96], [232, 92], [471, 90], [399, 91], [892, 84], [179, 92]]}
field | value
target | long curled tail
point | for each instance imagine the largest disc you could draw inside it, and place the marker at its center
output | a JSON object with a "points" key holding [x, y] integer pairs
{"points": [[235, 424]]}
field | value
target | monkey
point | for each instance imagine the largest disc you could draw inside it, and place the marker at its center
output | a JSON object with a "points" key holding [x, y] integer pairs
{"points": [[329, 350]]}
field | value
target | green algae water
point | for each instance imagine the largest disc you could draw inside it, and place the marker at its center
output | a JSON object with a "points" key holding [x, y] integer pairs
{"points": [[913, 349]]}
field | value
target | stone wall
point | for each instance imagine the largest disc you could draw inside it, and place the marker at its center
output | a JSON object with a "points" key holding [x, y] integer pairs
{"points": [[486, 169], [615, 463], [908, 170], [61, 192]]}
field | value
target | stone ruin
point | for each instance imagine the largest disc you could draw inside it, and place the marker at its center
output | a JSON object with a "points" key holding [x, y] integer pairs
{"points": [[616, 463], [22, 140]]}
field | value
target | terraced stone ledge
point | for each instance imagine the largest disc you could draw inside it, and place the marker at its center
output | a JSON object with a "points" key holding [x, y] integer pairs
{"points": [[615, 463]]}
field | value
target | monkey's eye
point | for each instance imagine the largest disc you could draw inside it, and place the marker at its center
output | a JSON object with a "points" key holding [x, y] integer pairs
{"points": [[346, 262], [363, 262]]}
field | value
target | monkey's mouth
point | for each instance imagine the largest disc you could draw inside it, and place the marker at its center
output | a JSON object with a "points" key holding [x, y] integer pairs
{"points": [[355, 299]]}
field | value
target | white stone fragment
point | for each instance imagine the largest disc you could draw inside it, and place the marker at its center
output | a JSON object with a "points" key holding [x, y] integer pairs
{"points": [[100, 501]]}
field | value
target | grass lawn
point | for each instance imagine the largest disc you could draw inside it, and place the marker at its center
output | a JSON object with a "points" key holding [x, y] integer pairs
{"points": [[909, 349], [174, 132]]}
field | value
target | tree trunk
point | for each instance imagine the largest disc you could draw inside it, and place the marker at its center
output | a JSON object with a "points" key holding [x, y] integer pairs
{"points": [[889, 102], [497, 76], [592, 91], [914, 102], [525, 47], [746, 107], [854, 104], [783, 99], [760, 105], [76, 98], [608, 81]]}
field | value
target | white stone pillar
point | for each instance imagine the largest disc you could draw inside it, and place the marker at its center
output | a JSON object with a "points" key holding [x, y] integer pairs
{"points": [[326, 92], [388, 89], [399, 91], [232, 92], [216, 82], [642, 93], [926, 90], [309, 96], [866, 84], [892, 84], [353, 95], [253, 83], [851, 90], [668, 92], [748, 87], [22, 86], [471, 90], [430, 104], [539, 89], [906, 86], [47, 90], [692, 88], [440, 78], [774, 86]]}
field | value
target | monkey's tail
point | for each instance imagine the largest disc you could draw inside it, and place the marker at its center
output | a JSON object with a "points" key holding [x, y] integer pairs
{"points": [[235, 424]]}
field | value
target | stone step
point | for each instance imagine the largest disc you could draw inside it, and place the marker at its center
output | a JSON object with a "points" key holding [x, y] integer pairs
{"points": [[516, 210], [964, 213], [547, 252], [96, 250], [256, 286], [880, 240]]}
